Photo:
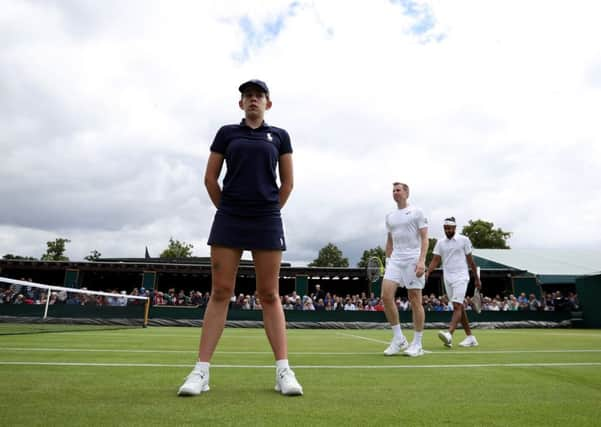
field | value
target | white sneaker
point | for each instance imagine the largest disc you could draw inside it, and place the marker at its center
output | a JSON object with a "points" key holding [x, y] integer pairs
{"points": [[414, 351], [469, 341], [396, 346], [286, 383], [196, 383], [446, 338]]}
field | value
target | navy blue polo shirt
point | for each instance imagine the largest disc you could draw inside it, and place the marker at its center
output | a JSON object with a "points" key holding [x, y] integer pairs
{"points": [[251, 156]]}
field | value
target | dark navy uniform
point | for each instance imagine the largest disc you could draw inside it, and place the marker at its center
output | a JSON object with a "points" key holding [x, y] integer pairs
{"points": [[248, 216]]}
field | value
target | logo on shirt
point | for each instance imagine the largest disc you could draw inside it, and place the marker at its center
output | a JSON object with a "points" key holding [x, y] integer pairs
{"points": [[269, 137]]}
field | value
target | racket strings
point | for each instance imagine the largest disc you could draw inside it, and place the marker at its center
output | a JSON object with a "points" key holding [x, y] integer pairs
{"points": [[374, 269]]}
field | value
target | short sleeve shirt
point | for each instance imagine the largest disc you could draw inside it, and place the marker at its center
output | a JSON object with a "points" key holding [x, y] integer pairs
{"points": [[404, 226], [453, 252], [250, 185]]}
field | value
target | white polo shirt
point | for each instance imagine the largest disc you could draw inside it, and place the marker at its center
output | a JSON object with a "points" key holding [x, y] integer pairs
{"points": [[404, 225], [453, 252]]}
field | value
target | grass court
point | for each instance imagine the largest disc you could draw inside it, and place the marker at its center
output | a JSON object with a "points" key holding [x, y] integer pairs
{"points": [[129, 377]]}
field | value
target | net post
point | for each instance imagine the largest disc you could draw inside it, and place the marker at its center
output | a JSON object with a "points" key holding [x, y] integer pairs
{"points": [[146, 311], [48, 293]]}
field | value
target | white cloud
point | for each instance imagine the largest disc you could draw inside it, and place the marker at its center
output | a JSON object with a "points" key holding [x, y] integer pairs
{"points": [[108, 110]]}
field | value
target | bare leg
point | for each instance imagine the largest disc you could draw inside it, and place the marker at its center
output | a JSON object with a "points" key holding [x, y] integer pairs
{"points": [[458, 315], [465, 321], [417, 309], [267, 267], [390, 309], [224, 267]]}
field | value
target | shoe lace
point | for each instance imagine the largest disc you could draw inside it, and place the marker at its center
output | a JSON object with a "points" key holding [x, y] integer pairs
{"points": [[195, 374], [285, 374]]}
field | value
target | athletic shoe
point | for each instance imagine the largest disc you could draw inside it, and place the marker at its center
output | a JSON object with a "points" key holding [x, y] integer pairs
{"points": [[196, 383], [469, 341], [446, 338], [396, 346], [286, 383], [414, 351]]}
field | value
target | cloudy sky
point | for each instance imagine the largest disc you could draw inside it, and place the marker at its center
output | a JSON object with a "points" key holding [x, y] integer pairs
{"points": [[487, 109]]}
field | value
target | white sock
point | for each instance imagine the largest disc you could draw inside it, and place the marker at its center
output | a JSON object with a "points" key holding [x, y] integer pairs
{"points": [[396, 332], [417, 338], [202, 366], [281, 364]]}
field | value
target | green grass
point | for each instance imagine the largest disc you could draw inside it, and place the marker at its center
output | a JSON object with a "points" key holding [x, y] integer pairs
{"points": [[130, 377]]}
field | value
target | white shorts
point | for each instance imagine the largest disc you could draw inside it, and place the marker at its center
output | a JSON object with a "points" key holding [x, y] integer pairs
{"points": [[456, 289], [404, 274]]}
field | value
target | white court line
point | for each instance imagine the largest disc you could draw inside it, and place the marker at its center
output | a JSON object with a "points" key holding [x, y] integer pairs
{"points": [[505, 332], [157, 336], [262, 336], [297, 353], [362, 338], [195, 336], [543, 333], [170, 365], [575, 335]]}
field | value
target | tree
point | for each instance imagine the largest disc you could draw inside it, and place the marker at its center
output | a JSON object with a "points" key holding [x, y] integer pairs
{"points": [[94, 256], [177, 249], [11, 256], [329, 256], [367, 254], [484, 236], [56, 250]]}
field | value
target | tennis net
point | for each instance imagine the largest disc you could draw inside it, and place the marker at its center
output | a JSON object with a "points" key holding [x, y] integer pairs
{"points": [[29, 307]]}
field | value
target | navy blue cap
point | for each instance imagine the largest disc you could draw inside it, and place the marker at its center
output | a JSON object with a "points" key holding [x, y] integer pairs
{"points": [[254, 82]]}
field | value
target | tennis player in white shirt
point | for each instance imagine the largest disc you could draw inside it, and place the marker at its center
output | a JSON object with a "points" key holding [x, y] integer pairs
{"points": [[455, 252], [406, 247]]}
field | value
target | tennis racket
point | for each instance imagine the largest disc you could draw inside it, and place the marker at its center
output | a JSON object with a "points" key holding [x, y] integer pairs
{"points": [[375, 269], [477, 298], [477, 301]]}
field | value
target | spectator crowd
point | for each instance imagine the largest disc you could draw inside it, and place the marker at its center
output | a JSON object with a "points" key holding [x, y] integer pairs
{"points": [[318, 300]]}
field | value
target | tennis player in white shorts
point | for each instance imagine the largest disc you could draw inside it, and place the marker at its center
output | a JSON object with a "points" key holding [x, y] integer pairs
{"points": [[455, 252], [406, 247]]}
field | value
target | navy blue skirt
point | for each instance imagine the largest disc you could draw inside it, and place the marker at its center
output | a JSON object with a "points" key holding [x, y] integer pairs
{"points": [[241, 232]]}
